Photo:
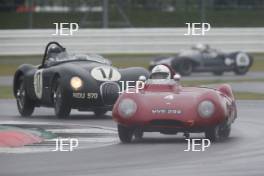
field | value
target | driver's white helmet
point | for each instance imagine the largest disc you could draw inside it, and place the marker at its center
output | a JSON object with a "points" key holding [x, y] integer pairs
{"points": [[201, 47], [160, 72]]}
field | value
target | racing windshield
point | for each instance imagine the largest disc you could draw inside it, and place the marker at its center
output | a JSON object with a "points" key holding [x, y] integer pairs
{"points": [[64, 57], [160, 82]]}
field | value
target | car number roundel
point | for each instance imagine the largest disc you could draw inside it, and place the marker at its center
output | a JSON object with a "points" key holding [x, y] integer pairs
{"points": [[105, 73], [242, 59], [38, 83]]}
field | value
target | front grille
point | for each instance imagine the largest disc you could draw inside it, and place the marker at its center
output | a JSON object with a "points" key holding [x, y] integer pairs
{"points": [[109, 92], [170, 123]]}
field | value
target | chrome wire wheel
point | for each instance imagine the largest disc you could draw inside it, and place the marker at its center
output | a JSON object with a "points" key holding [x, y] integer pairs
{"points": [[57, 98], [20, 96], [25, 104], [61, 102]]}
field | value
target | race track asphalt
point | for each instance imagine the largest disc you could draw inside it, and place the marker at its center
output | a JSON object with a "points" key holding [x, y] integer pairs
{"points": [[8, 80], [242, 86], [241, 155]]}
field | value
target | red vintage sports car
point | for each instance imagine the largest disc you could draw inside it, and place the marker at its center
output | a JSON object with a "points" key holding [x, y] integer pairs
{"points": [[164, 106]]}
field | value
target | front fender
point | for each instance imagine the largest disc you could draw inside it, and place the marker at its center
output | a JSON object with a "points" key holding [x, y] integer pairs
{"points": [[89, 83], [24, 70]]}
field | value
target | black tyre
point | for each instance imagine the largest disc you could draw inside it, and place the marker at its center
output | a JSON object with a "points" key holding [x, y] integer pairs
{"points": [[241, 70], [24, 104], [185, 67], [100, 112], [218, 73], [62, 107], [138, 134], [125, 134], [109, 92], [218, 133], [242, 63], [186, 135]]}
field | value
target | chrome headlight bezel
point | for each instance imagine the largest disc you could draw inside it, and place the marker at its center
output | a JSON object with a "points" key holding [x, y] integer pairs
{"points": [[206, 109], [127, 108], [76, 82]]}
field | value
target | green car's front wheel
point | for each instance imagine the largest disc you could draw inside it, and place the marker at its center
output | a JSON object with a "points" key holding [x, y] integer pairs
{"points": [[62, 107], [24, 104], [125, 133]]}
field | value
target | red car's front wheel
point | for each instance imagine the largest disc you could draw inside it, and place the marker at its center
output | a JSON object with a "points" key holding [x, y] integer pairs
{"points": [[125, 134], [219, 132]]}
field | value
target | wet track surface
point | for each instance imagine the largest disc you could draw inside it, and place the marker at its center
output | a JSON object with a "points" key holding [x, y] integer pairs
{"points": [[156, 154], [243, 86], [8, 80]]}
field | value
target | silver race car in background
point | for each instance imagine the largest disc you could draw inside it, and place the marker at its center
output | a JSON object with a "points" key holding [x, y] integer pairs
{"points": [[202, 58]]}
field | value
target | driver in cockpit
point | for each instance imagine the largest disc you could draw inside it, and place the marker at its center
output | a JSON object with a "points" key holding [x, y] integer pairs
{"points": [[201, 47], [53, 53], [160, 72]]}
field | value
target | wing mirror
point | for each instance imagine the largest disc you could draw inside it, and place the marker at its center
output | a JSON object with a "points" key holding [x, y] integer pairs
{"points": [[140, 84], [142, 78], [177, 77]]}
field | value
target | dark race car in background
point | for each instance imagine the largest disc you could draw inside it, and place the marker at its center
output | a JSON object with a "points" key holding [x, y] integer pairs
{"points": [[202, 58], [65, 82]]}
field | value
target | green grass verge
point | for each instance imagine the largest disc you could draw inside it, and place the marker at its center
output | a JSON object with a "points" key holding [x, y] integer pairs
{"points": [[248, 96], [7, 69], [6, 93], [218, 81], [9, 64], [258, 64]]}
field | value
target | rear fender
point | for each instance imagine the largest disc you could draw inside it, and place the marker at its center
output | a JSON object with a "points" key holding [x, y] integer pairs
{"points": [[227, 90], [175, 62], [133, 73]]}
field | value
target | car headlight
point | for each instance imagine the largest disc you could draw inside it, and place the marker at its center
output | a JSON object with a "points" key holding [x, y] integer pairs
{"points": [[127, 107], [206, 109], [76, 82]]}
